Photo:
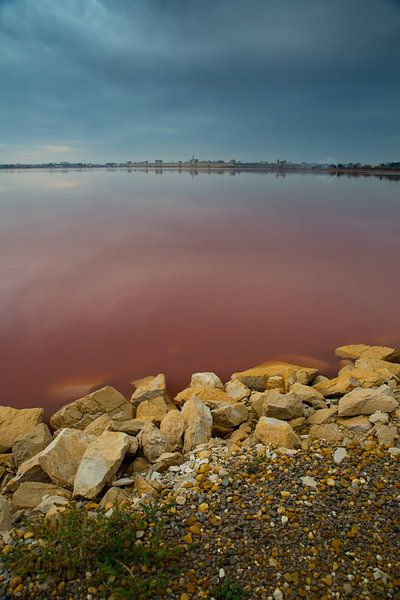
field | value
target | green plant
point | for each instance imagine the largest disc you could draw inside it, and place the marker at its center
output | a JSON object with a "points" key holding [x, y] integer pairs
{"points": [[229, 591], [105, 545], [253, 464]]}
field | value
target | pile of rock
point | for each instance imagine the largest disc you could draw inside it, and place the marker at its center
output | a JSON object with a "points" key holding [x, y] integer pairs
{"points": [[103, 443]]}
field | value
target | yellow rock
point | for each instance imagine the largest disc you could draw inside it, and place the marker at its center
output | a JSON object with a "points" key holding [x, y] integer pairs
{"points": [[195, 529], [257, 378]]}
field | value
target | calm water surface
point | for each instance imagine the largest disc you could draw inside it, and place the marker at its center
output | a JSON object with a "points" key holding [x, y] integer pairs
{"points": [[107, 276]]}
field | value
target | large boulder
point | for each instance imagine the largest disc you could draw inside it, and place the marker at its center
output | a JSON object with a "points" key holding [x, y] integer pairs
{"points": [[30, 493], [99, 425], [279, 433], [30, 443], [210, 396], [329, 432], [322, 415], [362, 401], [61, 459], [81, 412], [374, 364], [198, 423], [15, 422], [258, 378], [147, 388], [355, 351], [153, 442], [172, 428], [100, 462], [206, 378], [5, 515]]}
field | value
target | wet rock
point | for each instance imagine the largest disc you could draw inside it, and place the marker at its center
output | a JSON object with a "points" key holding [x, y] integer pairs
{"points": [[15, 422], [209, 379], [61, 459], [274, 431], [30, 443], [81, 412], [257, 378], [367, 401], [198, 423], [99, 463], [172, 427], [30, 494]]}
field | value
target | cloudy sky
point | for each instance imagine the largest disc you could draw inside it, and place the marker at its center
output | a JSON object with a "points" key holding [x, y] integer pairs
{"points": [[251, 79]]}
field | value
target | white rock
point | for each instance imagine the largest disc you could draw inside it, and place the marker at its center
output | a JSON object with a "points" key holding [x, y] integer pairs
{"points": [[379, 417], [309, 482], [339, 455]]}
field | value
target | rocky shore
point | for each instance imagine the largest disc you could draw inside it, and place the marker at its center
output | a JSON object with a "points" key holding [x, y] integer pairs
{"points": [[280, 483]]}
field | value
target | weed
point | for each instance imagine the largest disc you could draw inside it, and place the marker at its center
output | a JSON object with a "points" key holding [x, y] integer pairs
{"points": [[229, 591]]}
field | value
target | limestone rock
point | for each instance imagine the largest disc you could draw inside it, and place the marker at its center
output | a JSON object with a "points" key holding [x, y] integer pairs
{"points": [[359, 424], [239, 435], [308, 395], [282, 406], [133, 445], [198, 423], [153, 410], [30, 470], [277, 432], [367, 401], [139, 465], [230, 415], [257, 377], [131, 426], [5, 515], [81, 412], [379, 417], [237, 390], [257, 400], [210, 396], [99, 425], [49, 501], [322, 416], [356, 351], [373, 364], [339, 455], [153, 442], [99, 463], [114, 496], [386, 434], [61, 459], [172, 427], [144, 487], [206, 378], [30, 494], [153, 386], [16, 422], [166, 460], [30, 443], [329, 432], [338, 386]]}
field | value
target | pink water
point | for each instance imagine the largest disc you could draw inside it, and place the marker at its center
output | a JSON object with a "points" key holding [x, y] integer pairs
{"points": [[107, 276]]}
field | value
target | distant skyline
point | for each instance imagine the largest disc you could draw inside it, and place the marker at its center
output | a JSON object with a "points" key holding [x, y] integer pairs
{"points": [[113, 80]]}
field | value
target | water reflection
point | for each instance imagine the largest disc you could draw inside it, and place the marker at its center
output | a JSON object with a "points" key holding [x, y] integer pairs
{"points": [[111, 275]]}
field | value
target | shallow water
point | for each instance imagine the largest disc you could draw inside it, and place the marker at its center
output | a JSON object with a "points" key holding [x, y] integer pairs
{"points": [[107, 276]]}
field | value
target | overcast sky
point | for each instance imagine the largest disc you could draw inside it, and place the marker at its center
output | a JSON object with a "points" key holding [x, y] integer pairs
{"points": [[248, 79]]}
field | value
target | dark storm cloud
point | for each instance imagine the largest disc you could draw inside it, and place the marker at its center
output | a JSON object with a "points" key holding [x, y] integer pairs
{"points": [[114, 79]]}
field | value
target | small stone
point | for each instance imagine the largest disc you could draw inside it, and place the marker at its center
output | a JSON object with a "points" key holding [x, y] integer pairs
{"points": [[339, 455], [309, 482]]}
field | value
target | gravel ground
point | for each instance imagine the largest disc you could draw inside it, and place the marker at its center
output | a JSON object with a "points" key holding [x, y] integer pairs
{"points": [[283, 525]]}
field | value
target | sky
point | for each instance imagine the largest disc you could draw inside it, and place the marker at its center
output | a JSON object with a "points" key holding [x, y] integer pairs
{"points": [[117, 80]]}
